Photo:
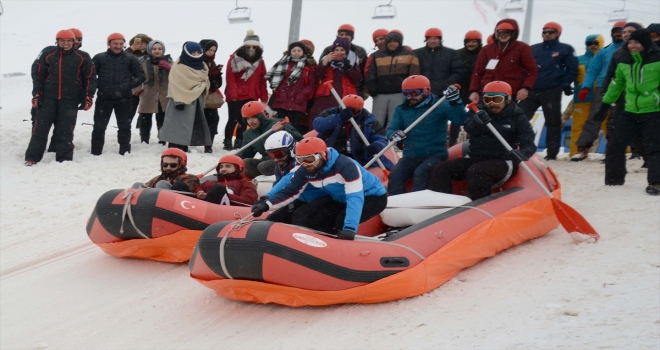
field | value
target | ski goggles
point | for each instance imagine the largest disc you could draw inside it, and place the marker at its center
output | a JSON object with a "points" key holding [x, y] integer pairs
{"points": [[169, 165], [496, 99], [412, 93], [308, 159], [505, 32], [551, 32], [279, 154], [590, 43]]}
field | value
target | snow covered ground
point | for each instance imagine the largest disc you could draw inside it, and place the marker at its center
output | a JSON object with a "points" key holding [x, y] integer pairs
{"points": [[58, 290]]}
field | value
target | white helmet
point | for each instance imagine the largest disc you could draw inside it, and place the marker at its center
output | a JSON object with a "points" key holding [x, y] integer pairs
{"points": [[280, 140]]}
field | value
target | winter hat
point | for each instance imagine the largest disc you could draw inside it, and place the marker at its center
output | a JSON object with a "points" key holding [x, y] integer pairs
{"points": [[151, 44], [145, 38], [206, 44], [654, 28], [189, 60], [297, 44], [251, 39], [343, 42], [309, 44], [643, 36], [394, 36], [635, 25]]}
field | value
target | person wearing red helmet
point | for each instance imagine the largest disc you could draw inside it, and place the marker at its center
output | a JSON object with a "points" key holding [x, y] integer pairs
{"points": [[469, 53], [558, 68], [379, 42], [63, 77], [231, 188], [506, 60], [425, 145], [354, 195], [173, 176], [489, 164], [348, 31]]}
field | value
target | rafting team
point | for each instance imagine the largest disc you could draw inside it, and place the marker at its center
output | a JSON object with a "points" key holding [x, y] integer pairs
{"points": [[321, 180]]}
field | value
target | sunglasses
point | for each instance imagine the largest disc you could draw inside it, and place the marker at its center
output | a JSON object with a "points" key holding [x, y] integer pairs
{"points": [[549, 32], [497, 99], [309, 159], [412, 93], [170, 165], [590, 43], [276, 154]]}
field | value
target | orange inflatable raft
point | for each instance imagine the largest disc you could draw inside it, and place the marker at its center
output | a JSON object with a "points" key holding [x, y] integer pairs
{"points": [[266, 262]]}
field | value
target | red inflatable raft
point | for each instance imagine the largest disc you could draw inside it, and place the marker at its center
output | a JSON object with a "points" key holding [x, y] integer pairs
{"points": [[267, 262]]}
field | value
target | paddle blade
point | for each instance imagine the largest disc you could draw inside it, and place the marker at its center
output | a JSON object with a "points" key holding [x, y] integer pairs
{"points": [[572, 220]]}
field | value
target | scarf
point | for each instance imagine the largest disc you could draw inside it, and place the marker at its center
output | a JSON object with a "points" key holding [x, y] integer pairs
{"points": [[239, 64], [187, 84], [351, 58], [276, 73]]}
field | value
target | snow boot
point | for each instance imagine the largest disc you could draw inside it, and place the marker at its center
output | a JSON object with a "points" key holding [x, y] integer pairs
{"points": [[582, 154], [208, 149], [238, 143], [227, 145], [548, 157], [653, 189], [124, 148]]}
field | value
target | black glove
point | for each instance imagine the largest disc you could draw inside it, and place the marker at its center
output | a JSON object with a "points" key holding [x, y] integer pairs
{"points": [[400, 145], [213, 87], [482, 118], [452, 94], [345, 234], [372, 149], [264, 198], [568, 90], [398, 136], [346, 114], [259, 208], [179, 106], [516, 156]]}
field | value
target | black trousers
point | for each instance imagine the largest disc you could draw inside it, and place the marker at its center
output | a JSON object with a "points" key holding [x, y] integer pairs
{"points": [[102, 113], [550, 101], [454, 131], [145, 123], [51, 146], [134, 106], [599, 111], [62, 113], [481, 175], [325, 214], [627, 127], [294, 119], [235, 117], [212, 119]]}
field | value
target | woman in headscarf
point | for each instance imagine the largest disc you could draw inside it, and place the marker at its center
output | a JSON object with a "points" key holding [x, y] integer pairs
{"points": [[185, 123], [153, 99], [291, 80], [210, 47]]}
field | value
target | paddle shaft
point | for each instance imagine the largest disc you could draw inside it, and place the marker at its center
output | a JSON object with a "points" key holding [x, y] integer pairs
{"points": [[406, 131], [352, 120]]}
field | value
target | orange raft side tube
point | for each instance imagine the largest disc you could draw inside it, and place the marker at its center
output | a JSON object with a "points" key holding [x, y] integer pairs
{"points": [[448, 242]]}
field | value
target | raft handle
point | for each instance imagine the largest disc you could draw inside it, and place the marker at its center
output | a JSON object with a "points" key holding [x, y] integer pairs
{"points": [[394, 261]]}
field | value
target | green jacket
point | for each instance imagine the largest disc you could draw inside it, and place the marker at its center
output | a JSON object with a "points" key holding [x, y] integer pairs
{"points": [[258, 147], [638, 75]]}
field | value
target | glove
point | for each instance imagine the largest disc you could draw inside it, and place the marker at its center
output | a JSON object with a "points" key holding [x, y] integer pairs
{"points": [[452, 94], [346, 114], [345, 234], [482, 118], [568, 90], [89, 102], [398, 136], [516, 156], [264, 198], [583, 94], [259, 208], [372, 149], [35, 101], [165, 65], [179, 106]]}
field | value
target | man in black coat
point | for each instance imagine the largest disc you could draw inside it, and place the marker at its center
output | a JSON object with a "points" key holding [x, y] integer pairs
{"points": [[64, 81], [118, 73]]}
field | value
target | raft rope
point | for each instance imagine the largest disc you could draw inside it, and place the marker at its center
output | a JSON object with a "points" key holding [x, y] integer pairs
{"points": [[193, 194], [242, 221], [127, 210]]}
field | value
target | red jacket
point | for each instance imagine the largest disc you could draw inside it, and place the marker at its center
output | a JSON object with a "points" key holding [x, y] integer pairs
{"points": [[244, 190], [294, 97], [516, 64], [252, 89]]}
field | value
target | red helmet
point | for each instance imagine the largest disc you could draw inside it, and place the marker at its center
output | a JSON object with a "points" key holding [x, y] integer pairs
{"points": [[65, 34], [619, 24], [116, 36], [175, 152], [232, 159], [353, 101], [433, 32], [490, 40], [505, 26], [309, 44], [379, 32], [416, 82], [498, 87], [251, 109], [77, 33], [473, 35], [346, 28], [553, 25], [312, 145]]}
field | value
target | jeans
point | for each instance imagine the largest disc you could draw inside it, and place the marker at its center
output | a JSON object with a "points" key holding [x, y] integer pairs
{"points": [[418, 168]]}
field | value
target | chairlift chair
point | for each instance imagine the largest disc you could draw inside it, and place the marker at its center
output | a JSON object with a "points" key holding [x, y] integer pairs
{"points": [[239, 15], [1, 9], [384, 11], [619, 15], [514, 6]]}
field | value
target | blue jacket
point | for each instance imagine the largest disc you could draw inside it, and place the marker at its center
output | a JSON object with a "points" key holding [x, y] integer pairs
{"points": [[599, 64], [429, 137], [309, 194], [583, 66], [329, 124], [342, 178], [557, 62], [279, 172]]}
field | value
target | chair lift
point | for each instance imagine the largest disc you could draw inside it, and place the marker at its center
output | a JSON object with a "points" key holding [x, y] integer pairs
{"points": [[514, 6], [384, 11], [1, 9], [239, 15], [619, 15]]}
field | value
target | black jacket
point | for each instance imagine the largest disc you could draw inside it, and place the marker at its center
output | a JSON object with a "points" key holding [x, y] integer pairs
{"points": [[511, 123], [64, 75], [469, 60], [443, 66], [117, 74], [617, 57]]}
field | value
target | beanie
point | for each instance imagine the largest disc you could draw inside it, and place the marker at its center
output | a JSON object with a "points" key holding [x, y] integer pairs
{"points": [[643, 37], [208, 43], [297, 44], [654, 28], [635, 25], [251, 39], [343, 42]]}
